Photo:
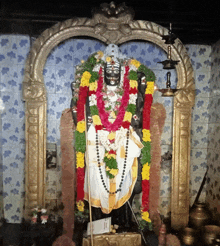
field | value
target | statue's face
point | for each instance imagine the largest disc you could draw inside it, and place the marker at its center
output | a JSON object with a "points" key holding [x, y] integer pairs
{"points": [[112, 72]]}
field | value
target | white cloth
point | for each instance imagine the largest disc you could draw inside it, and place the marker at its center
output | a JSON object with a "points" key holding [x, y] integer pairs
{"points": [[99, 196]]}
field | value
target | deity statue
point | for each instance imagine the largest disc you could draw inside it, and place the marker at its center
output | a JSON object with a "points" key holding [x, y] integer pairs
{"points": [[112, 88]]}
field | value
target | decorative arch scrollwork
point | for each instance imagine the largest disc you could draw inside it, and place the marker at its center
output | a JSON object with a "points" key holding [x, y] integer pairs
{"points": [[110, 24]]}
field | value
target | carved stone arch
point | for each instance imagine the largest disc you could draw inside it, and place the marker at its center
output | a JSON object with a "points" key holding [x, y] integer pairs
{"points": [[107, 29]]}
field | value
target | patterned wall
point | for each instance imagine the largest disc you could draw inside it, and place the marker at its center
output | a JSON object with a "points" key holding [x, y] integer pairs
{"points": [[201, 61], [213, 158], [58, 75], [13, 52], [1, 161]]}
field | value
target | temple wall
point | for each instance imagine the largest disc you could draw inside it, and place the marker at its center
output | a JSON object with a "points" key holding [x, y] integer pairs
{"points": [[201, 61], [213, 157], [58, 75], [13, 52], [1, 162]]}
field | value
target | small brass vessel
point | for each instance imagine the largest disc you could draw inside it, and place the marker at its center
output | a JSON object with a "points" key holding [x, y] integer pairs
{"points": [[199, 216], [189, 236], [210, 233]]}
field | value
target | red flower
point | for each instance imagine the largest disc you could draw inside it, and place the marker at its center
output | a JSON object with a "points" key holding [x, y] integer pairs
{"points": [[126, 124], [91, 93], [133, 91], [80, 183], [112, 152], [146, 111], [81, 103], [99, 127], [145, 195]]}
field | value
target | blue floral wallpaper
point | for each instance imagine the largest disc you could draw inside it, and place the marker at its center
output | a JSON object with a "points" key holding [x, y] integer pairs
{"points": [[58, 75], [1, 169], [213, 157], [201, 61]]}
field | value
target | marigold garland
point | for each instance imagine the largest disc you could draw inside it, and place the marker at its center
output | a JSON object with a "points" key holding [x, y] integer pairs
{"points": [[80, 159], [146, 172], [92, 82], [145, 216], [80, 206], [146, 157], [146, 135], [81, 126]]}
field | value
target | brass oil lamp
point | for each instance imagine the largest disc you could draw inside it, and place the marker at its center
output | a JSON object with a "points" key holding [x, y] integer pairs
{"points": [[169, 64]]}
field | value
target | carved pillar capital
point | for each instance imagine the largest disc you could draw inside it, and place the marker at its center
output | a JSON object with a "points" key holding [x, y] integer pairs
{"points": [[185, 98], [34, 90]]}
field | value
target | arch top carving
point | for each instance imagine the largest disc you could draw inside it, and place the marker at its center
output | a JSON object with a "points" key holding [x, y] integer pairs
{"points": [[109, 24]]}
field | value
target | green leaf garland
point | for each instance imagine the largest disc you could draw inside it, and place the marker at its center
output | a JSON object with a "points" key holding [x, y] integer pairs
{"points": [[145, 152], [149, 75], [80, 143]]}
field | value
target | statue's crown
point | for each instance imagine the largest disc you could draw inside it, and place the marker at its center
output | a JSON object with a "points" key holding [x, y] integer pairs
{"points": [[114, 52]]}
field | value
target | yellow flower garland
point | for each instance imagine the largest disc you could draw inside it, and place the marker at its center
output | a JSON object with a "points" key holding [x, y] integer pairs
{"points": [[146, 135], [128, 116], [80, 159], [109, 156], [96, 120], [133, 83], [135, 63], [80, 206], [146, 172], [93, 86], [81, 126], [145, 216], [150, 88], [85, 79], [114, 171]]}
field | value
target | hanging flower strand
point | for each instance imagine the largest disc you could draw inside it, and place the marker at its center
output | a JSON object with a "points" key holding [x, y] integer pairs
{"points": [[81, 139], [146, 157]]}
